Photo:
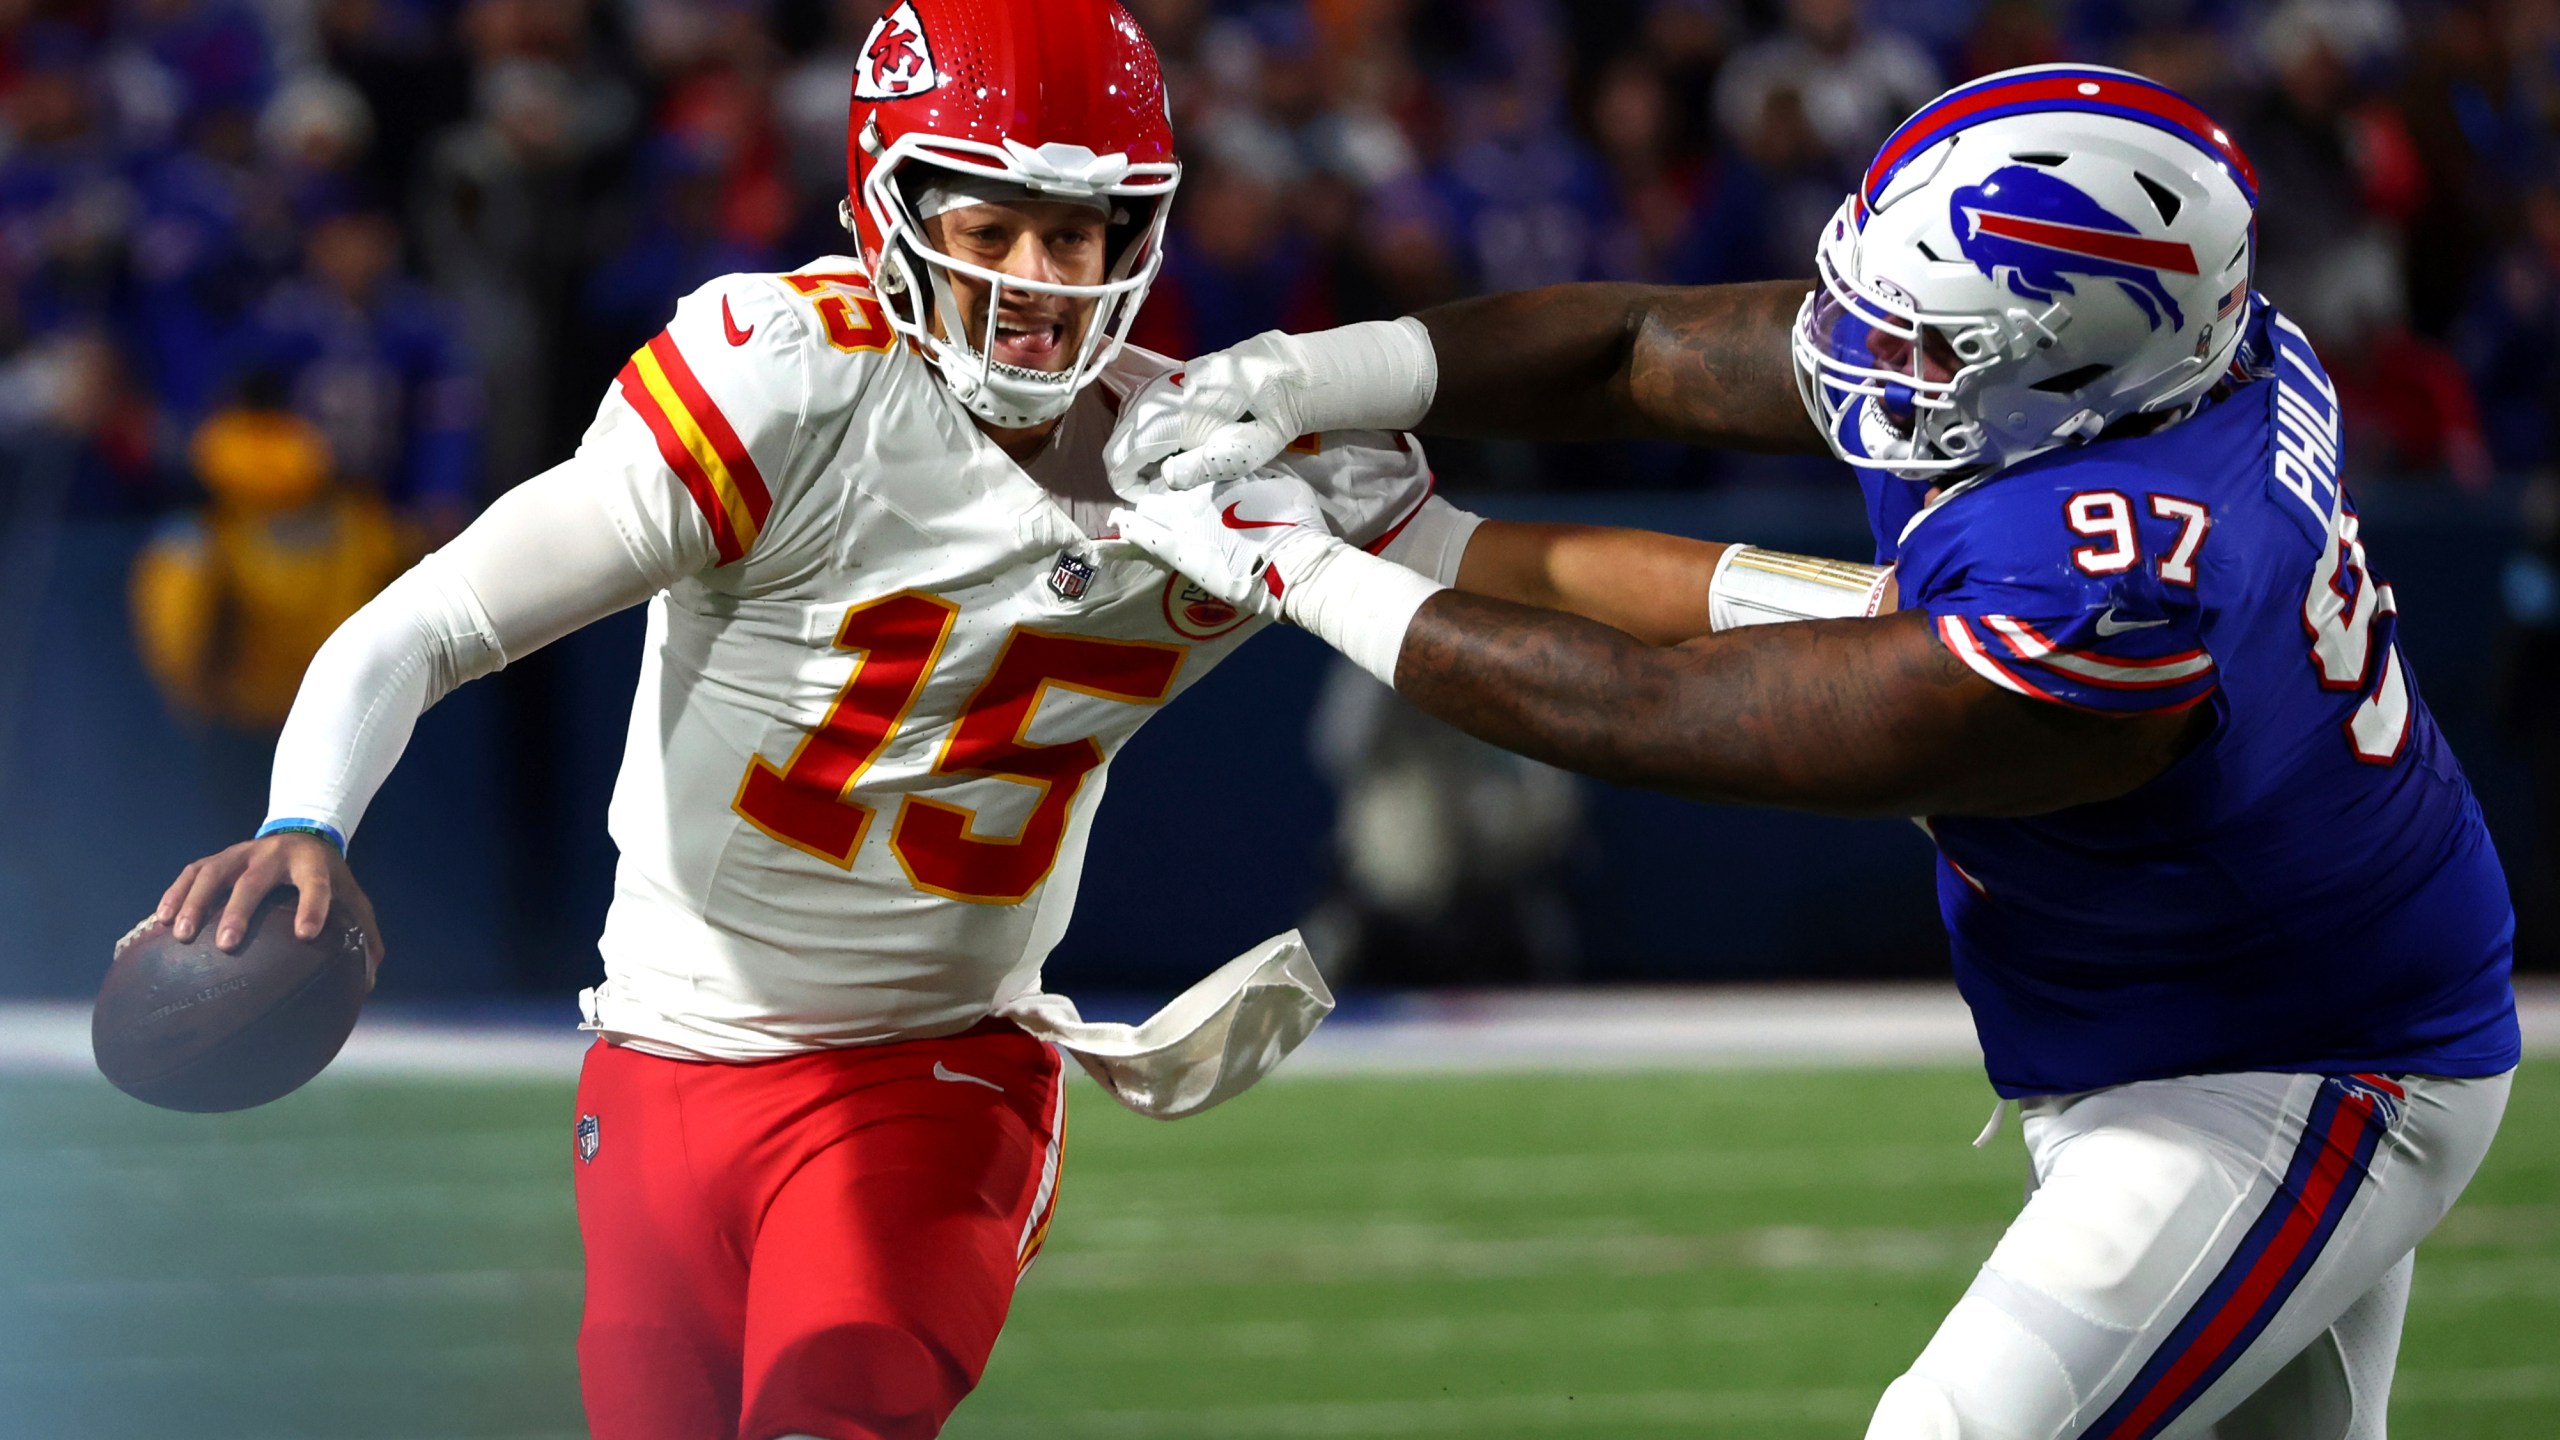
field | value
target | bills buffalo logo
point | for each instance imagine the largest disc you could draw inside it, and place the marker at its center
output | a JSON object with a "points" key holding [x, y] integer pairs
{"points": [[590, 1139], [895, 62], [2038, 230], [2380, 1094], [1195, 614]]}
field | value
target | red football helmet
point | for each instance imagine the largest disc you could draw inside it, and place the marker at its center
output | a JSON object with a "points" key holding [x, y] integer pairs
{"points": [[1061, 97]]}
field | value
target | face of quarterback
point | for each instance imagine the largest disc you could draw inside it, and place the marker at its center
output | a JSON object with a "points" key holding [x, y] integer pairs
{"points": [[1048, 241]]}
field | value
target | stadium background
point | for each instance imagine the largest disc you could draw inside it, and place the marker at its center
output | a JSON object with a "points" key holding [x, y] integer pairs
{"points": [[289, 288]]}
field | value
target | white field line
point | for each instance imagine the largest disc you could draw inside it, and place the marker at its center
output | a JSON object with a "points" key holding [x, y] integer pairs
{"points": [[1693, 1411], [1386, 1254], [348, 1367], [1326, 1420], [1462, 1032], [1366, 1255], [1479, 1331], [1680, 1029], [376, 1290], [2476, 1387]]}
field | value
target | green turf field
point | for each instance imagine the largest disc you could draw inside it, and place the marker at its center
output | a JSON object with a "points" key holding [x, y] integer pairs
{"points": [[1664, 1254]]}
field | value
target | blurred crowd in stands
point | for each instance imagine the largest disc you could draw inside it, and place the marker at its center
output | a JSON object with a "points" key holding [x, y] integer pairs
{"points": [[432, 228], [426, 232]]}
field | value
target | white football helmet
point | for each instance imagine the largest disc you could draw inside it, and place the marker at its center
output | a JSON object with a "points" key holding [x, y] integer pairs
{"points": [[2029, 259]]}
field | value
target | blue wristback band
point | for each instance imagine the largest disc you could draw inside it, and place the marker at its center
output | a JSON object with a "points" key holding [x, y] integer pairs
{"points": [[294, 824]]}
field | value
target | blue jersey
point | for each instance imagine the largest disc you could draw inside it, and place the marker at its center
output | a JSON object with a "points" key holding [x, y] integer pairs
{"points": [[2311, 888]]}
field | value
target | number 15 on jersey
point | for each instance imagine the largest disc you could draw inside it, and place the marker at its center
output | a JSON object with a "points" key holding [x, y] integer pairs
{"points": [[807, 802]]}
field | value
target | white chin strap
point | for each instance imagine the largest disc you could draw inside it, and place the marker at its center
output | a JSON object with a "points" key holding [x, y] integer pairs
{"points": [[1009, 397]]}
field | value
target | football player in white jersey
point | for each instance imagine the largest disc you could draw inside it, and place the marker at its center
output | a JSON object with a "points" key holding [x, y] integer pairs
{"points": [[891, 649]]}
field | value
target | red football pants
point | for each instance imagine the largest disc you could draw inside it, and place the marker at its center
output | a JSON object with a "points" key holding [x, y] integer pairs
{"points": [[823, 1245]]}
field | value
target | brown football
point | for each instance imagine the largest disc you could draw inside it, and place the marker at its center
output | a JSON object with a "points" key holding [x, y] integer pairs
{"points": [[185, 1026]]}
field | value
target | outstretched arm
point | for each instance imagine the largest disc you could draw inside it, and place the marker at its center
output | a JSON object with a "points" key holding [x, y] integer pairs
{"points": [[1655, 587], [1858, 717], [1854, 717], [1704, 364], [1662, 589], [1708, 365]]}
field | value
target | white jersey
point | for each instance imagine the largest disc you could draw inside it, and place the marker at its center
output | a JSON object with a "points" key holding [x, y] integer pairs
{"points": [[872, 728]]}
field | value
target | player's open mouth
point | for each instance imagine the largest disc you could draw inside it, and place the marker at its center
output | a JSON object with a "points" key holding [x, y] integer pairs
{"points": [[1031, 344]]}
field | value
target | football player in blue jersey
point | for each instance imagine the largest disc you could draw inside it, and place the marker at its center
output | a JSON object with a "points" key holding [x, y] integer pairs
{"points": [[2233, 933]]}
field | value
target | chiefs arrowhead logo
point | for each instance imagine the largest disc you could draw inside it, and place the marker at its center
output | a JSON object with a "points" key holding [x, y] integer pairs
{"points": [[1195, 614], [895, 62]]}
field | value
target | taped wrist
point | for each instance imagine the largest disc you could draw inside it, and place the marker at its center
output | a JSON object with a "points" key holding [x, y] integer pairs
{"points": [[1353, 601], [1753, 586], [1375, 375]]}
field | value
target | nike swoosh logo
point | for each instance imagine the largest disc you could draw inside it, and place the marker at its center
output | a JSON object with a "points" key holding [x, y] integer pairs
{"points": [[729, 323], [1238, 522], [2108, 624], [945, 1072]]}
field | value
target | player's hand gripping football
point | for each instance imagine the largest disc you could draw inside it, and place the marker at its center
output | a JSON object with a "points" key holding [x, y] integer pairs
{"points": [[1228, 537], [246, 872]]}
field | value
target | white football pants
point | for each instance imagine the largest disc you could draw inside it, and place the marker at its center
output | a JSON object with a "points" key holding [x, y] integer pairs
{"points": [[2215, 1257]]}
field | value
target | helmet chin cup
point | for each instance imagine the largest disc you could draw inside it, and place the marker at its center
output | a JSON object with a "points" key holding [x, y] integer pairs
{"points": [[1005, 396], [1009, 397]]}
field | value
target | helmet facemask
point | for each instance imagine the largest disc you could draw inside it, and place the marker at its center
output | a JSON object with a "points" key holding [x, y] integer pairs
{"points": [[915, 279], [1889, 383]]}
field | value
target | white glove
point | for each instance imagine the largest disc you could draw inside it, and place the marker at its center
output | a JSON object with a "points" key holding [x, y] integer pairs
{"points": [[1261, 545], [1149, 429], [1224, 536], [1242, 406]]}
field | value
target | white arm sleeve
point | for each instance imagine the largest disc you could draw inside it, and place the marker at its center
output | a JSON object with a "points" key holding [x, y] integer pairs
{"points": [[550, 556]]}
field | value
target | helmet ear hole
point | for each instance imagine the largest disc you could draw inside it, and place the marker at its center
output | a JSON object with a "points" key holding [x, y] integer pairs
{"points": [[1131, 223], [2070, 381]]}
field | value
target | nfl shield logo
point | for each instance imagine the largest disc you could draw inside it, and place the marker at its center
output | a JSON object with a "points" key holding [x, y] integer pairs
{"points": [[1072, 577], [590, 1139]]}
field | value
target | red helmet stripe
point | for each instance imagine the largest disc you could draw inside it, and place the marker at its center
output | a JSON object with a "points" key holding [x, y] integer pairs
{"points": [[2167, 255], [2060, 90]]}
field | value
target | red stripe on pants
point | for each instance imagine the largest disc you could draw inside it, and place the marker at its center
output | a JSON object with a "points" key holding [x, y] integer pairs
{"points": [[2337, 1151]]}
